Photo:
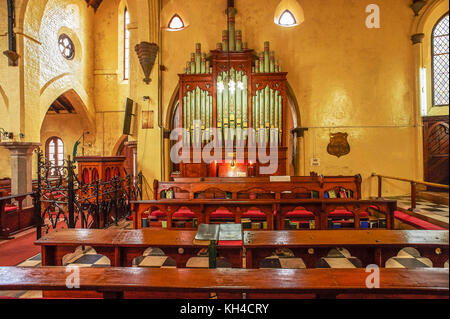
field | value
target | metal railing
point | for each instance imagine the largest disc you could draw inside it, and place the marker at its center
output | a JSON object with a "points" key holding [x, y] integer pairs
{"points": [[413, 183], [68, 200]]}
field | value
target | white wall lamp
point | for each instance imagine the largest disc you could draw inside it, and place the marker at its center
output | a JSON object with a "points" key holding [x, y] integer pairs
{"points": [[175, 23], [172, 17], [289, 14]]}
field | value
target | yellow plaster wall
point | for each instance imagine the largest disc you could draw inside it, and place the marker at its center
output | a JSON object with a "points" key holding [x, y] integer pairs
{"points": [[347, 78], [58, 74]]}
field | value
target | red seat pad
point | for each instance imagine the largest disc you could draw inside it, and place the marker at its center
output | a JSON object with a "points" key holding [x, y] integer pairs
{"points": [[364, 215], [158, 214], [222, 213], [341, 213], [416, 222], [300, 214], [254, 214], [184, 213], [10, 208]]}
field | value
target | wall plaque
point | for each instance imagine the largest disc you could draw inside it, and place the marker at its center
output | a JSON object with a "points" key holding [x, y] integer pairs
{"points": [[338, 144]]}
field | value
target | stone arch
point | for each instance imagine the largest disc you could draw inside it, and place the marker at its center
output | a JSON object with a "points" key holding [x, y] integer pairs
{"points": [[75, 93]]}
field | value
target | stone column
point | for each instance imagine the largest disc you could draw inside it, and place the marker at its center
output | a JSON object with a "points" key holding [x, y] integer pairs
{"points": [[21, 168], [417, 44]]}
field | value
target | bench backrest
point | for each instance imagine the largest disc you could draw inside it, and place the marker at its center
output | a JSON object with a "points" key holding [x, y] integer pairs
{"points": [[334, 281], [260, 187]]}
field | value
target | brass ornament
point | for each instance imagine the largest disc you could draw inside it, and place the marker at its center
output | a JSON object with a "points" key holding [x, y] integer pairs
{"points": [[338, 144], [147, 55]]}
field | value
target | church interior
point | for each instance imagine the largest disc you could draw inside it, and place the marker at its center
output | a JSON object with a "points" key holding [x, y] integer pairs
{"points": [[226, 149]]}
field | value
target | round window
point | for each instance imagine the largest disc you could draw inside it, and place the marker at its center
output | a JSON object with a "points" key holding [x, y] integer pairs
{"points": [[66, 46]]}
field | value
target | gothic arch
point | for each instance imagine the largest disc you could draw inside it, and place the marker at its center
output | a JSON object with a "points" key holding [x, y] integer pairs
{"points": [[77, 101]]}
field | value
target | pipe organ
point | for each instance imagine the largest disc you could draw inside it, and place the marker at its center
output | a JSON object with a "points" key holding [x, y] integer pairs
{"points": [[233, 98]]}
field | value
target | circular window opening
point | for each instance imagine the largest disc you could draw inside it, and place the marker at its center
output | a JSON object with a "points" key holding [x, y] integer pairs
{"points": [[66, 46]]}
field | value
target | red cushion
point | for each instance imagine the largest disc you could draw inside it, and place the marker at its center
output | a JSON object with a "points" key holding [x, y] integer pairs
{"points": [[364, 215], [158, 214], [341, 213], [222, 213], [10, 208], [184, 213], [416, 222], [254, 214], [300, 214]]}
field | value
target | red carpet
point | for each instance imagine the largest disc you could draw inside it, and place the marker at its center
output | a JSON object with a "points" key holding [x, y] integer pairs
{"points": [[19, 249]]}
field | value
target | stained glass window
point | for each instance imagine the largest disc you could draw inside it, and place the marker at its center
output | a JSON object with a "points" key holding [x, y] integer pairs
{"points": [[66, 47], [440, 51]]}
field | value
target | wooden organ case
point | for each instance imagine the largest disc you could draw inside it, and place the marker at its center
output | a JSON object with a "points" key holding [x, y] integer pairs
{"points": [[236, 101]]}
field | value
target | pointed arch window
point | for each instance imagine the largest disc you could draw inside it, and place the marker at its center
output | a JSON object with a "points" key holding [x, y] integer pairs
{"points": [[55, 154], [126, 44], [440, 62]]}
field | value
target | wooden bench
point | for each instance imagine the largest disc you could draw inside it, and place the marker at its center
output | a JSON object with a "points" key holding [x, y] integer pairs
{"points": [[369, 246], [13, 217], [273, 210], [122, 246], [260, 187], [199, 283]]}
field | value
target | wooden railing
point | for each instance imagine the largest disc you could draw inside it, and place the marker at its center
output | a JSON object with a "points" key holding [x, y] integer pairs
{"points": [[413, 183], [13, 217]]}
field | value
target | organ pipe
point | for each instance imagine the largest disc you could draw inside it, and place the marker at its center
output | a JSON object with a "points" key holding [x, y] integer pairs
{"points": [[232, 99]]}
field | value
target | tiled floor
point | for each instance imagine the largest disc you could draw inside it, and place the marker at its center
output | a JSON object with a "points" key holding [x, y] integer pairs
{"points": [[425, 208]]}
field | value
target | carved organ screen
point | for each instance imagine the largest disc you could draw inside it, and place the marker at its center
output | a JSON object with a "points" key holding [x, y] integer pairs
{"points": [[240, 94]]}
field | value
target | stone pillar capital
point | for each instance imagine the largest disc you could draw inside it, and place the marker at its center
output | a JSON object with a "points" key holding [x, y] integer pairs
{"points": [[20, 147]]}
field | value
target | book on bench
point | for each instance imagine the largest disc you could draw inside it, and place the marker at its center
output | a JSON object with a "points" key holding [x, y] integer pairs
{"points": [[223, 233]]}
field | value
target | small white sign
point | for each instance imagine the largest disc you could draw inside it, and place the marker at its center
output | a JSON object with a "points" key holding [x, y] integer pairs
{"points": [[315, 161], [280, 178]]}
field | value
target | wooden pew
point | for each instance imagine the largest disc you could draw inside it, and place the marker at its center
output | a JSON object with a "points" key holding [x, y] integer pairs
{"points": [[198, 283], [371, 247], [296, 187], [321, 209], [13, 217], [122, 246]]}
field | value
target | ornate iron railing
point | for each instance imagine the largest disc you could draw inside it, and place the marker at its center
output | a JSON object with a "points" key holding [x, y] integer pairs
{"points": [[62, 200]]}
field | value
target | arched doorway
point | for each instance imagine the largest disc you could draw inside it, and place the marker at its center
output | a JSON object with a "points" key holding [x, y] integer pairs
{"points": [[63, 120]]}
